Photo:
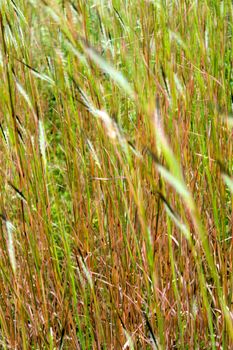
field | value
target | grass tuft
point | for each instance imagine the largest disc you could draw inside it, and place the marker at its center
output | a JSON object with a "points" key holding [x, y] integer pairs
{"points": [[116, 174]]}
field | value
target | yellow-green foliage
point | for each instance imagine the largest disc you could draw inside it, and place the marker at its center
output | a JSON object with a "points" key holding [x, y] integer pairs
{"points": [[116, 174]]}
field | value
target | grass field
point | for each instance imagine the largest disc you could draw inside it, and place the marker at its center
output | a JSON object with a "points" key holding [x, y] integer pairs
{"points": [[116, 160]]}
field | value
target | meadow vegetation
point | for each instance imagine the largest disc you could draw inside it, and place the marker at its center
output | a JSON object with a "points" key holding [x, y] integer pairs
{"points": [[116, 224]]}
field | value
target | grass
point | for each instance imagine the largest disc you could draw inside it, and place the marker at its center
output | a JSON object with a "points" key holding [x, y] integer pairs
{"points": [[115, 174]]}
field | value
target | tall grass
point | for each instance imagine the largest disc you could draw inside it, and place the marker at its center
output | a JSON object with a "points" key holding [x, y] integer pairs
{"points": [[116, 174]]}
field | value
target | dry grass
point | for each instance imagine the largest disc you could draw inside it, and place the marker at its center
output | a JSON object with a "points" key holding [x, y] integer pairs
{"points": [[115, 174]]}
